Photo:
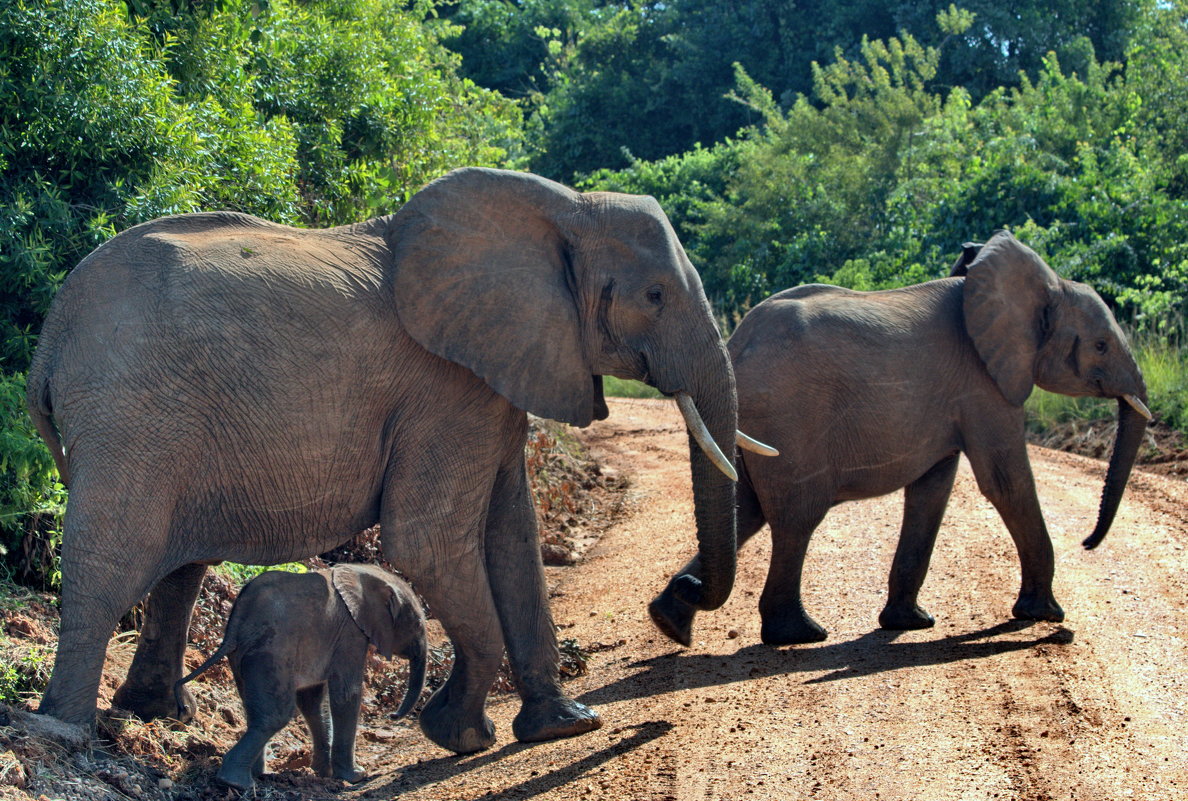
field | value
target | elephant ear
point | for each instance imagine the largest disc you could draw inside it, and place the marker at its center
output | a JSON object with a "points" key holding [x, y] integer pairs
{"points": [[969, 252], [1007, 302], [369, 598], [482, 261]]}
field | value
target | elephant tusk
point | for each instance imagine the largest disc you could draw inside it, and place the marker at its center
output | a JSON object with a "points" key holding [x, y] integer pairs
{"points": [[702, 435], [1139, 407], [753, 445]]}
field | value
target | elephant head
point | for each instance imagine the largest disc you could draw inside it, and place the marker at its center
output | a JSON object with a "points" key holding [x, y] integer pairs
{"points": [[388, 612], [541, 290], [1032, 327]]}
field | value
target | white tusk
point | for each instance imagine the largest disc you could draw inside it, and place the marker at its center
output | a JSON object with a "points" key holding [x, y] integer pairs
{"points": [[1139, 407], [702, 435], [753, 445]]}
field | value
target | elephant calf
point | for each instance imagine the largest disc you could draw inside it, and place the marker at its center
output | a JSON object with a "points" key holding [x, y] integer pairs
{"points": [[864, 393], [293, 636]]}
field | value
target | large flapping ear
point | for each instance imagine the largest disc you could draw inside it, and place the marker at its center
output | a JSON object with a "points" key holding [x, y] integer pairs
{"points": [[1008, 293], [368, 597], [483, 277]]}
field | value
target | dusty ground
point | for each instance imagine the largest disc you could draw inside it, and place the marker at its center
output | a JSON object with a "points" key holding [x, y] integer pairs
{"points": [[980, 707]]}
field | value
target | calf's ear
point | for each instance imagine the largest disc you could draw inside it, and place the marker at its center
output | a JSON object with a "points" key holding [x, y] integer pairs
{"points": [[368, 599]]}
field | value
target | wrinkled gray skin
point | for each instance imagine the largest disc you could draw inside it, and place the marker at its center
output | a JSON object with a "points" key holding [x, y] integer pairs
{"points": [[864, 393], [294, 639], [216, 387]]}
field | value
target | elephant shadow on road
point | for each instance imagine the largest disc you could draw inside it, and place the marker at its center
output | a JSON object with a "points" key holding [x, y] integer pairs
{"points": [[433, 771], [871, 653]]}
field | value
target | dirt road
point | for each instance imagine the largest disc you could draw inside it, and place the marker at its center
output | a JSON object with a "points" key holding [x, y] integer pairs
{"points": [[979, 707]]}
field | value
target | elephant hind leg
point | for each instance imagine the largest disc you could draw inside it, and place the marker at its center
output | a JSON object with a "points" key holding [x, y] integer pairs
{"points": [[98, 587], [159, 660], [924, 505], [269, 703], [311, 702]]}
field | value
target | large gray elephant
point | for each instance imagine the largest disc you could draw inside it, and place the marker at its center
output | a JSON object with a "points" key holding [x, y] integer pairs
{"points": [[218, 387], [865, 393]]}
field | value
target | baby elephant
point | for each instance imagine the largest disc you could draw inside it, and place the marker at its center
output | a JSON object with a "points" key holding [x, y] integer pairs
{"points": [[291, 636]]}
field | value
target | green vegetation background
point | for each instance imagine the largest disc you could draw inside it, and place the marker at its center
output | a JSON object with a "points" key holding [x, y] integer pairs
{"points": [[858, 143]]}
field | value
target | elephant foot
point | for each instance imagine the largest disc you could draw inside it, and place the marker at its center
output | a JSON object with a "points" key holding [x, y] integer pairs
{"points": [[236, 776], [155, 701], [905, 617], [1038, 608], [552, 719], [792, 630], [352, 775], [82, 716], [673, 617], [462, 734]]}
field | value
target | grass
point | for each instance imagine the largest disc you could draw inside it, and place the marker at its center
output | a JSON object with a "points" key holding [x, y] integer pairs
{"points": [[625, 388], [1164, 363], [242, 574]]}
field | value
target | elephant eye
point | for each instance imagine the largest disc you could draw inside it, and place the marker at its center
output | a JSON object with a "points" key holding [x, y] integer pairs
{"points": [[1102, 346], [656, 295]]}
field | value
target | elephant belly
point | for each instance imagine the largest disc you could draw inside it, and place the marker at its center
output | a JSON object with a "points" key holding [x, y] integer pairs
{"points": [[240, 524]]}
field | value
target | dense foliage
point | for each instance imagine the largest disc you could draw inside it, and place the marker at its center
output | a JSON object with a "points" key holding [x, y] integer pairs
{"points": [[650, 77], [859, 143]]}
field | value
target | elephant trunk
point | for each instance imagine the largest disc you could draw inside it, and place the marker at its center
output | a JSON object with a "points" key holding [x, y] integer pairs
{"points": [[1132, 423], [713, 490], [418, 658]]}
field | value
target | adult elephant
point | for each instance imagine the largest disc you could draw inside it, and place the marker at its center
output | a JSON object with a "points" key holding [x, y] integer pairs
{"points": [[865, 393], [218, 387]]}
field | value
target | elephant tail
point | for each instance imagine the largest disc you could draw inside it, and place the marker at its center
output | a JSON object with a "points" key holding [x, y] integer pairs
{"points": [[225, 648], [40, 405]]}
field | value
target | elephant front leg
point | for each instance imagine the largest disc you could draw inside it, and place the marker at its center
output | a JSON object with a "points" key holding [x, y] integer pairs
{"points": [[449, 574], [157, 665], [345, 687], [518, 585], [924, 505], [1006, 479]]}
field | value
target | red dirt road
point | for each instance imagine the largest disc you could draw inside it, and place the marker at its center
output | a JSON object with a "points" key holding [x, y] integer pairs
{"points": [[979, 707]]}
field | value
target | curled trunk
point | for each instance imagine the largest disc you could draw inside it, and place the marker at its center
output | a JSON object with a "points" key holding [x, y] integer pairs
{"points": [[418, 657], [1131, 426]]}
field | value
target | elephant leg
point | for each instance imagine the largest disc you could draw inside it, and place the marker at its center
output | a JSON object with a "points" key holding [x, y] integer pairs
{"points": [[269, 703], [521, 599], [344, 686], [456, 588], [924, 505], [98, 587], [784, 620], [1004, 476], [669, 613], [311, 702], [160, 654]]}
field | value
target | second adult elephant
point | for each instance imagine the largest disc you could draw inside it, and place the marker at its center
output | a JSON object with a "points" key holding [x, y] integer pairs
{"points": [[865, 393], [215, 386]]}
